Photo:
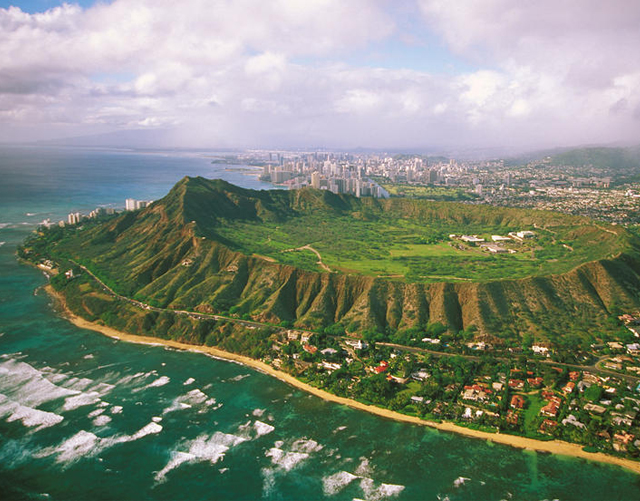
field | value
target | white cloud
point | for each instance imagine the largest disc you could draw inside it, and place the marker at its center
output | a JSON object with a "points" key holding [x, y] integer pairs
{"points": [[242, 72]]}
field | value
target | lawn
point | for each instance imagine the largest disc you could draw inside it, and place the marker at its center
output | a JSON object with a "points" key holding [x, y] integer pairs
{"points": [[398, 247]]}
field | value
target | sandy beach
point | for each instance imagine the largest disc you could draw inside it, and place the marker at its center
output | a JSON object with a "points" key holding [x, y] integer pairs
{"points": [[554, 447]]}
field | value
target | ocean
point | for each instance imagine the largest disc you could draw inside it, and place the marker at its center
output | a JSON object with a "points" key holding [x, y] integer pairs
{"points": [[85, 417]]}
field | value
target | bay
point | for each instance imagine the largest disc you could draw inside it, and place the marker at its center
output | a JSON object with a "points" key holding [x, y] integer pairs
{"points": [[86, 417]]}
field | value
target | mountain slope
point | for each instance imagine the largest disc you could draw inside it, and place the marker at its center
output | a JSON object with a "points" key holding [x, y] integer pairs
{"points": [[180, 252]]}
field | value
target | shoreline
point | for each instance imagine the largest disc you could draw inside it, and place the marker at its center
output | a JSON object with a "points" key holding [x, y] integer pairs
{"points": [[557, 447]]}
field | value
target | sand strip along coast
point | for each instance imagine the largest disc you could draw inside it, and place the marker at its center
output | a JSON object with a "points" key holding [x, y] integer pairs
{"points": [[554, 446]]}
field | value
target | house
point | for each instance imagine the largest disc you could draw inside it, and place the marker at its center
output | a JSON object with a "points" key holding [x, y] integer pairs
{"points": [[356, 344], [621, 440], [497, 386], [481, 346], [525, 234], [574, 375], [572, 420], [330, 366], [309, 348], [420, 375], [569, 387], [500, 238], [620, 420], [547, 427], [516, 384], [383, 366], [633, 348], [495, 249], [539, 349], [417, 400], [517, 402], [610, 364], [590, 378], [430, 340], [328, 351], [595, 409], [293, 335], [475, 393], [471, 239], [553, 406], [512, 417], [535, 382]]}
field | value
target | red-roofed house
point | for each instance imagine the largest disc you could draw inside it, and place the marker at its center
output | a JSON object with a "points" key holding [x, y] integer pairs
{"points": [[516, 384], [517, 401], [309, 348]]}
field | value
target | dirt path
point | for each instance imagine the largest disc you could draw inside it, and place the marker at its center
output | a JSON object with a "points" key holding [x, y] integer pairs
{"points": [[309, 248]]}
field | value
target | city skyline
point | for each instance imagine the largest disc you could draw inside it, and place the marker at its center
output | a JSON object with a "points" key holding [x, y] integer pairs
{"points": [[287, 74]]}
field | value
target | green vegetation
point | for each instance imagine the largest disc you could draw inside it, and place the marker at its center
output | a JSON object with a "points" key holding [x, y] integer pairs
{"points": [[602, 158], [421, 192], [385, 266]]}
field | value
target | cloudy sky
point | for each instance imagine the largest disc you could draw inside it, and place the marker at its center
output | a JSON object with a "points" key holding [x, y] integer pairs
{"points": [[332, 73]]}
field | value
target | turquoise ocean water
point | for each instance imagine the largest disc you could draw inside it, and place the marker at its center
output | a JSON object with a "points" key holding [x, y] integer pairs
{"points": [[84, 417]]}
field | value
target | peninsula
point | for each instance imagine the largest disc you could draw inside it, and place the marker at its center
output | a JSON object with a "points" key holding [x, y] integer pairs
{"points": [[436, 313]]}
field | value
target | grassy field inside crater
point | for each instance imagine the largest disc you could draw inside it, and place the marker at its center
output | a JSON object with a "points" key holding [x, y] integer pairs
{"points": [[404, 248]]}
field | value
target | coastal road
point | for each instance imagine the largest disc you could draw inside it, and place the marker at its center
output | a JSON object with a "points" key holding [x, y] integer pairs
{"points": [[192, 314], [591, 368], [252, 324]]}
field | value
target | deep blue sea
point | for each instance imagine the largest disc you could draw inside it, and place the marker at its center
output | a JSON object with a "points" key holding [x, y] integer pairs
{"points": [[84, 417]]}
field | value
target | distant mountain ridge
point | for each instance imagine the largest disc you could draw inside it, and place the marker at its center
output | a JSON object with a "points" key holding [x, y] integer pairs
{"points": [[614, 158], [172, 254]]}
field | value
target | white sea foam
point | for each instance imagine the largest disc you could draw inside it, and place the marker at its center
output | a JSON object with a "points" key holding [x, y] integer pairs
{"points": [[190, 399], [177, 459], [4, 225], [127, 379], [239, 377], [82, 444], [383, 491], [339, 428], [116, 409], [203, 448], [26, 385], [81, 400], [286, 460], [150, 429], [299, 451], [333, 484], [306, 445], [29, 416], [101, 420], [258, 412], [88, 357], [96, 413], [262, 428], [78, 384], [189, 381], [460, 481], [161, 381], [364, 469], [156, 419], [2, 243]]}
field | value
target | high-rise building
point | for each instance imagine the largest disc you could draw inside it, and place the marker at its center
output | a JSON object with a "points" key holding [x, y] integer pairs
{"points": [[74, 218], [130, 204], [315, 180]]}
